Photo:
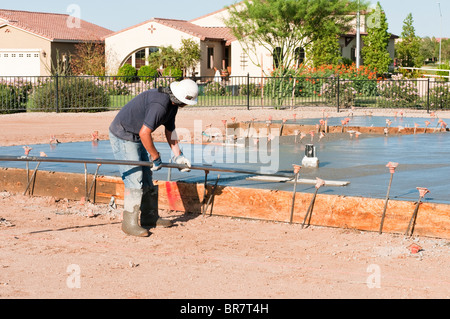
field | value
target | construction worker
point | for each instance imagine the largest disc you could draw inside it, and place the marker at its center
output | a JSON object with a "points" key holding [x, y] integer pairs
{"points": [[131, 139]]}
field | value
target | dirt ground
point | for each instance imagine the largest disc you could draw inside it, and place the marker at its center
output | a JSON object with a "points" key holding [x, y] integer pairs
{"points": [[55, 248]]}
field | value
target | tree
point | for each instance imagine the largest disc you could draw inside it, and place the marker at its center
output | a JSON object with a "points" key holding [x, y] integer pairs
{"points": [[429, 48], [326, 51], [281, 26], [375, 52], [408, 49], [187, 57], [89, 59], [190, 55]]}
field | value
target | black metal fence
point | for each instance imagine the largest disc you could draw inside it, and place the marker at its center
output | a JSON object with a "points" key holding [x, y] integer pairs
{"points": [[94, 94]]}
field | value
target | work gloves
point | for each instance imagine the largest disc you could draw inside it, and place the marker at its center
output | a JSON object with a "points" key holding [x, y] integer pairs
{"points": [[181, 160], [157, 164]]}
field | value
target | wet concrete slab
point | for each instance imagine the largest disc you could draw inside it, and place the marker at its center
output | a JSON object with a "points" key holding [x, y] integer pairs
{"points": [[424, 161]]}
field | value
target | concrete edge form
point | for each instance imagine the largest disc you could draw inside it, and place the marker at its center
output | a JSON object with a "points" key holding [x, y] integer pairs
{"points": [[364, 214]]}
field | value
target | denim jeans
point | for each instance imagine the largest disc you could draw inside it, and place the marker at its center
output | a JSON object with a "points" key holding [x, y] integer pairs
{"points": [[134, 177]]}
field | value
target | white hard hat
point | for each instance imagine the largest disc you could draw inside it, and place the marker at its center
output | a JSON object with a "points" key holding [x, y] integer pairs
{"points": [[186, 91]]}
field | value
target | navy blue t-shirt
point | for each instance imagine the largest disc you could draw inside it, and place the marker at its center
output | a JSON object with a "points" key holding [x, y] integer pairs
{"points": [[150, 108]]}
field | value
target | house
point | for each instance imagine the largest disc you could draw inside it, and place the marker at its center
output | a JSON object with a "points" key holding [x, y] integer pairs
{"points": [[219, 48], [30, 41]]}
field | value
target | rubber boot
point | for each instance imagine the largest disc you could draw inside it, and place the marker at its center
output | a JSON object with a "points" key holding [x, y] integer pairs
{"points": [[132, 203], [149, 209]]}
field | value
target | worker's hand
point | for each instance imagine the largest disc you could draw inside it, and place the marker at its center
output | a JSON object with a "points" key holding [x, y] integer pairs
{"points": [[182, 161], [157, 164]]}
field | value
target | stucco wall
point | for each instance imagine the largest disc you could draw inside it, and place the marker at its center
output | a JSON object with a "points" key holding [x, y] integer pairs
{"points": [[13, 38], [120, 45]]}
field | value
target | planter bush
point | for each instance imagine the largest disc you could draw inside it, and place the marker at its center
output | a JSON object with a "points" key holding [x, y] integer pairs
{"points": [[127, 73], [73, 95]]}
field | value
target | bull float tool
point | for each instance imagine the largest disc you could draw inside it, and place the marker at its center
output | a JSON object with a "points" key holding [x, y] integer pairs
{"points": [[392, 167], [206, 169], [410, 230], [308, 215]]}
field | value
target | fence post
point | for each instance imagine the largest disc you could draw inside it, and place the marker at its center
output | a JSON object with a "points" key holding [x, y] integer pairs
{"points": [[248, 91], [57, 92], [428, 95], [338, 94]]}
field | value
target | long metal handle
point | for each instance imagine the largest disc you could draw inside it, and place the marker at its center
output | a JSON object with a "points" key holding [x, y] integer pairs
{"points": [[131, 163]]}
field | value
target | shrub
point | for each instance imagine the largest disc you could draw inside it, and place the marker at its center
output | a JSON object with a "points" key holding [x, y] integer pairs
{"points": [[127, 73], [398, 92], [8, 100], [173, 72], [440, 97], [347, 93], [74, 95], [146, 73], [254, 90], [214, 89]]}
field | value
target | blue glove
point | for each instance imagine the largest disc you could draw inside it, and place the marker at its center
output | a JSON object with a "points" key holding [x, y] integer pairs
{"points": [[157, 165], [180, 159]]}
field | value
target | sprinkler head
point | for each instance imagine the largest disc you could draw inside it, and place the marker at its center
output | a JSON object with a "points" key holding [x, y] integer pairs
{"points": [[296, 168], [392, 166], [422, 191], [233, 119], [427, 123], [224, 122], [42, 154]]}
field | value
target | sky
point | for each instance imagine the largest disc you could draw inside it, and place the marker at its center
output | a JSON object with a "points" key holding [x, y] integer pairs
{"points": [[120, 14]]}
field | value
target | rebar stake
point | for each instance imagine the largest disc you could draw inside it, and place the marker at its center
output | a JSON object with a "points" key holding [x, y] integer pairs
{"points": [[308, 215], [422, 192], [392, 167], [296, 172]]}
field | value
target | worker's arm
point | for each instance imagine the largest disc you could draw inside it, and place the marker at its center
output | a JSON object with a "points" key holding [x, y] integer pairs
{"points": [[178, 158], [146, 138], [173, 143]]}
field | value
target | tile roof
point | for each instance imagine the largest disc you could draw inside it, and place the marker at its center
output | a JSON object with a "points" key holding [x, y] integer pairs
{"points": [[53, 26], [214, 33]]}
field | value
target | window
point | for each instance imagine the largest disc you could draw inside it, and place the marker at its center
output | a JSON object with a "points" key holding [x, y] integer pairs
{"points": [[28, 55], [299, 56], [210, 58], [353, 54], [277, 57], [140, 57], [20, 55]]}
